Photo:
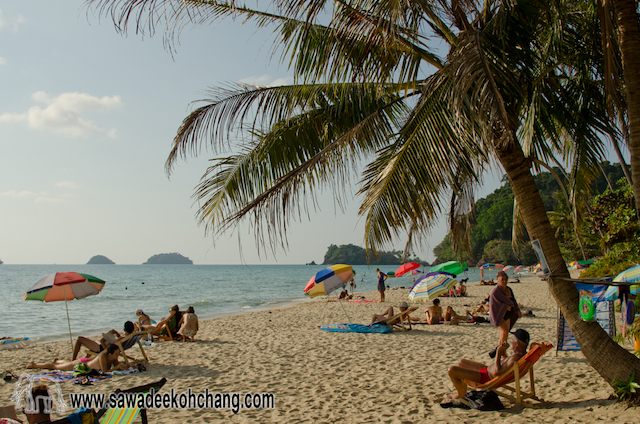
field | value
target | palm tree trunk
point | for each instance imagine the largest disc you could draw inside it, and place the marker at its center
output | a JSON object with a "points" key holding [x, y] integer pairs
{"points": [[611, 361], [616, 148], [627, 17]]}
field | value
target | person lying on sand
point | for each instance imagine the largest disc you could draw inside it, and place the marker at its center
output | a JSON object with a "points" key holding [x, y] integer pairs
{"points": [[188, 325], [107, 360], [450, 314], [388, 314], [487, 283], [474, 373], [483, 307], [107, 338]]}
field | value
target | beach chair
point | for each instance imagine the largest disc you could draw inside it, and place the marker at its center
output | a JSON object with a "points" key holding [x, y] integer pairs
{"points": [[400, 321], [126, 343], [8, 411], [510, 379], [121, 415], [167, 328], [129, 341]]}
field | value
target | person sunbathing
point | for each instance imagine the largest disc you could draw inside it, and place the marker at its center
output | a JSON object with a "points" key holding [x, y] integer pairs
{"points": [[474, 373], [144, 320], [384, 318], [107, 338], [450, 314], [487, 283], [107, 360]]}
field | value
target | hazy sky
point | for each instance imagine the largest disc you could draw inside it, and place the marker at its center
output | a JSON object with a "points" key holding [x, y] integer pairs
{"points": [[87, 117]]}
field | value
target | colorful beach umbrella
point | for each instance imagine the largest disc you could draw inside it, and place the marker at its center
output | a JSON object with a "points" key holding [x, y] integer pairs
{"points": [[432, 273], [329, 279], [417, 271], [452, 267], [506, 268], [518, 268], [428, 288], [404, 268], [499, 266], [630, 275], [485, 266], [65, 286]]}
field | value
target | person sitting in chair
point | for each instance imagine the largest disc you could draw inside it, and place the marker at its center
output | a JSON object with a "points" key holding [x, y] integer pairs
{"points": [[384, 318], [107, 338], [474, 373]]}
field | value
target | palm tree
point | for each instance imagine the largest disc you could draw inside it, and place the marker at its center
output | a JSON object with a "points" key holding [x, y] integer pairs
{"points": [[515, 86]]}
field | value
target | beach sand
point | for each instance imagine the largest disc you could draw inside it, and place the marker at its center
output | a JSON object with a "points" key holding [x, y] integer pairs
{"points": [[317, 376]]}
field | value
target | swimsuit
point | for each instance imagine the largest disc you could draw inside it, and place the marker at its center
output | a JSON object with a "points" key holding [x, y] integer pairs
{"points": [[381, 285], [484, 376]]}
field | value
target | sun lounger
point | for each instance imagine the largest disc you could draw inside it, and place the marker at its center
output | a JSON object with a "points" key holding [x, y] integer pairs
{"points": [[510, 380], [128, 342], [401, 321]]}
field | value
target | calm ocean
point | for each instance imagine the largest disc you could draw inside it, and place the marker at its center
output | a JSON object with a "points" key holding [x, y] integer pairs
{"points": [[213, 290]]}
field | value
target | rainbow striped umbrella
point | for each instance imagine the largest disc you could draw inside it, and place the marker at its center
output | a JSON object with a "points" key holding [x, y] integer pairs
{"points": [[518, 268], [65, 286], [329, 279], [430, 287], [630, 275]]}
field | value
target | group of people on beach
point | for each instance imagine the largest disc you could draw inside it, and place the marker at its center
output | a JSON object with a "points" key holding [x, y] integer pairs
{"points": [[503, 310], [102, 355]]}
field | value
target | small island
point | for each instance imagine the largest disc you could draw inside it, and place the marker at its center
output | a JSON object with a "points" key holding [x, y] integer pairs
{"points": [[100, 260], [168, 259], [1, 262]]}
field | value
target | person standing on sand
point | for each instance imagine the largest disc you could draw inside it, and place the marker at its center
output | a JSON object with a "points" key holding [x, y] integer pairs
{"points": [[503, 309], [188, 325], [381, 286]]}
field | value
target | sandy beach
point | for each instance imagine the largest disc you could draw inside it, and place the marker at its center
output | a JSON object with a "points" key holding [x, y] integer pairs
{"points": [[317, 376]]}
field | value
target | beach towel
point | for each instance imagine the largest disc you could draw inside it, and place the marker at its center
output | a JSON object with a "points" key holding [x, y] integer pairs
{"points": [[498, 304], [67, 376], [357, 328]]}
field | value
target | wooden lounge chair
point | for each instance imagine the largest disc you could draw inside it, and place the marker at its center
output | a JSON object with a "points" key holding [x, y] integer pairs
{"points": [[167, 329], [130, 341], [126, 343], [510, 379], [401, 321]]}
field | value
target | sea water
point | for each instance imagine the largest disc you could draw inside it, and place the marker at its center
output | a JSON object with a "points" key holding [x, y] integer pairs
{"points": [[213, 290]]}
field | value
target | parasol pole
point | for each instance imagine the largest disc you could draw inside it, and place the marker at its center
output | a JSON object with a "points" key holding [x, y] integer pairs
{"points": [[343, 310], [64, 288]]}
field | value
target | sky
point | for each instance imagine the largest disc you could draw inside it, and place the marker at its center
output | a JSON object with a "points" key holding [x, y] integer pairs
{"points": [[87, 117]]}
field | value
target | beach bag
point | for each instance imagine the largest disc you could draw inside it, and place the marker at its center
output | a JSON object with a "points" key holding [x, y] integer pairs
{"points": [[82, 370], [484, 400]]}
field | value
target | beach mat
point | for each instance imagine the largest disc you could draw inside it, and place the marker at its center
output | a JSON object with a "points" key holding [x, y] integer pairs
{"points": [[357, 328]]}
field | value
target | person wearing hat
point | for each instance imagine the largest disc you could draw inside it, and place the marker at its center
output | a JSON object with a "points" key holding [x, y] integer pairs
{"points": [[383, 318], [470, 372]]}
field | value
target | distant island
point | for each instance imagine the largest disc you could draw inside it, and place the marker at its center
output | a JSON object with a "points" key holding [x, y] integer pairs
{"points": [[168, 259], [100, 260], [355, 255], [1, 262]]}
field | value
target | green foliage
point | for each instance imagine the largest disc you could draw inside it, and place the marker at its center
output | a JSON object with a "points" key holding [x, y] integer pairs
{"points": [[627, 389], [492, 228], [356, 255], [613, 217]]}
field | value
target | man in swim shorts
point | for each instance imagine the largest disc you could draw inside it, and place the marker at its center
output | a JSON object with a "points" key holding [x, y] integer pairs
{"points": [[474, 373]]}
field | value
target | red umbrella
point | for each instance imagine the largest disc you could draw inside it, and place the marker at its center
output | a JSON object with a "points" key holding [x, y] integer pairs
{"points": [[404, 268]]}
